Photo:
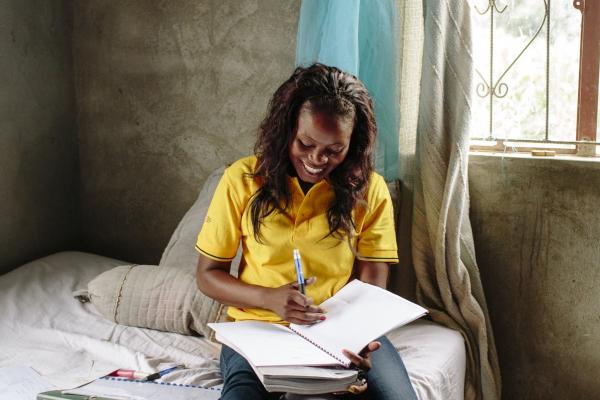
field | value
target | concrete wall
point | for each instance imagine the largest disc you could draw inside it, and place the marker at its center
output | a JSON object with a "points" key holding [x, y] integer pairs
{"points": [[537, 228], [168, 91], [38, 145]]}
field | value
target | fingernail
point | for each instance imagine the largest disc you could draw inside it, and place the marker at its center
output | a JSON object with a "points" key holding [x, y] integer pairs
{"points": [[322, 318]]}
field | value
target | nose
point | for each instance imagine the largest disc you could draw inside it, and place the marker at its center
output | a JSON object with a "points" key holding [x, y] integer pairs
{"points": [[317, 158]]}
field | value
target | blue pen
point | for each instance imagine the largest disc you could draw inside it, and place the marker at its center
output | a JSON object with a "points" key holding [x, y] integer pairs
{"points": [[159, 374], [299, 274]]}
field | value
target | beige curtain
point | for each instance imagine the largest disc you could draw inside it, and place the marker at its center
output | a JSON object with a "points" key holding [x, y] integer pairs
{"points": [[410, 50], [436, 72]]}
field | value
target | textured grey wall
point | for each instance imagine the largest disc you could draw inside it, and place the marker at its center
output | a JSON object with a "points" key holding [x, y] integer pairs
{"points": [[38, 145], [536, 226], [168, 91]]}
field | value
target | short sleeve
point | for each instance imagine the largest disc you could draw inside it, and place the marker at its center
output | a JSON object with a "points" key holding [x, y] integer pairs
{"points": [[377, 239], [220, 235]]}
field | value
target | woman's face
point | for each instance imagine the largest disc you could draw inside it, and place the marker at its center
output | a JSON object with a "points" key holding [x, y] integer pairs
{"points": [[320, 144]]}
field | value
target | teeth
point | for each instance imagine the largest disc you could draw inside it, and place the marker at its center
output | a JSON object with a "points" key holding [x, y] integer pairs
{"points": [[313, 170]]}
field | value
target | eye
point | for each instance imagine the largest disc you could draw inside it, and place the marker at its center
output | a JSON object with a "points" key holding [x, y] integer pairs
{"points": [[334, 152], [304, 145]]}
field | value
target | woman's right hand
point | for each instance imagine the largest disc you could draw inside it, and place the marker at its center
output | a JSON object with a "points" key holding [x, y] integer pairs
{"points": [[292, 306]]}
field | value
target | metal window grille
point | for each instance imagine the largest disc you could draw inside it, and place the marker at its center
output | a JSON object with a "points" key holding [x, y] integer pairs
{"points": [[492, 84]]}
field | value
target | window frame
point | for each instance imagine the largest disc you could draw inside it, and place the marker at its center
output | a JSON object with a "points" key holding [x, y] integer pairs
{"points": [[587, 95]]}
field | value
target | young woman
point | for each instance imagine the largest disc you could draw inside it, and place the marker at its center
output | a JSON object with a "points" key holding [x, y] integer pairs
{"points": [[310, 186]]}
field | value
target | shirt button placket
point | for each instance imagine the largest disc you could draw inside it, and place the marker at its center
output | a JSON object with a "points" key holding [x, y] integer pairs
{"points": [[297, 207]]}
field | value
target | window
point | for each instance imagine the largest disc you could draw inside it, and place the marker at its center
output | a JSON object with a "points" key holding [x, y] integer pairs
{"points": [[536, 75]]}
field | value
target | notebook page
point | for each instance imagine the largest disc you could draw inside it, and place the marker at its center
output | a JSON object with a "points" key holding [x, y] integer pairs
{"points": [[266, 344], [358, 314]]}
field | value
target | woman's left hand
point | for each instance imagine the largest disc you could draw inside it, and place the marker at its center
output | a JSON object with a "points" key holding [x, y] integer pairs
{"points": [[363, 362]]}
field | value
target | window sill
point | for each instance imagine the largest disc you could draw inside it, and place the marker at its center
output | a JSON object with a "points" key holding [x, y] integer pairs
{"points": [[529, 156]]}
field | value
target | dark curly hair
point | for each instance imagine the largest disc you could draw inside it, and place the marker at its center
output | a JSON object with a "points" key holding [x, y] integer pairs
{"points": [[329, 90]]}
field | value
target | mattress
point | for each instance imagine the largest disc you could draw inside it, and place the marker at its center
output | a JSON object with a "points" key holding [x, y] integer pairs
{"points": [[44, 327]]}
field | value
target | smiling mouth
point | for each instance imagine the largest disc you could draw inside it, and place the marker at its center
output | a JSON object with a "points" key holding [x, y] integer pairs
{"points": [[312, 171]]}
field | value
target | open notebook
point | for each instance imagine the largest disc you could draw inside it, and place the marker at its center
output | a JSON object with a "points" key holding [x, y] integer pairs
{"points": [[356, 315]]}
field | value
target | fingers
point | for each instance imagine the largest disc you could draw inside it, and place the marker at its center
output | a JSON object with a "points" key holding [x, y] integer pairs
{"points": [[304, 315], [307, 282], [362, 361], [298, 308], [311, 312], [299, 299], [315, 309], [303, 303], [373, 346], [358, 388], [302, 318], [354, 358]]}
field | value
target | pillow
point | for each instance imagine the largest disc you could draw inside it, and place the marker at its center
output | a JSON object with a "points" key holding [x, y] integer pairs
{"points": [[147, 296], [181, 249]]}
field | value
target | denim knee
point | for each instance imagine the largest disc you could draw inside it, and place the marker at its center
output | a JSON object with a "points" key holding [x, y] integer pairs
{"points": [[239, 380], [388, 378]]}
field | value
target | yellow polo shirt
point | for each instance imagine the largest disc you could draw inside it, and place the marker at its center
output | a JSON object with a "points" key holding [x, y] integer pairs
{"points": [[303, 226]]}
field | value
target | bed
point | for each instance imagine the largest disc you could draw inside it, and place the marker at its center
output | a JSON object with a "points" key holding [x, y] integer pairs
{"points": [[44, 327]]}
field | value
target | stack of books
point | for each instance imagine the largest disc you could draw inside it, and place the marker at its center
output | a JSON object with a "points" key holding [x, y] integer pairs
{"points": [[308, 359]]}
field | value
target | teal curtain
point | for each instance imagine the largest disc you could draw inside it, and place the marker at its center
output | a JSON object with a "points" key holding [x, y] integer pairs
{"points": [[358, 36]]}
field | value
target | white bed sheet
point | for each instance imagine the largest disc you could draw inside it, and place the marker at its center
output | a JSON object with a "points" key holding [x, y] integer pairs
{"points": [[44, 327]]}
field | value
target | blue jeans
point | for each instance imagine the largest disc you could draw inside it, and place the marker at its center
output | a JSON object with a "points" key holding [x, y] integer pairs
{"points": [[388, 379]]}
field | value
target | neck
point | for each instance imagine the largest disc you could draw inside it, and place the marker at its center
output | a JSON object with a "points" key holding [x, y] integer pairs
{"points": [[305, 185]]}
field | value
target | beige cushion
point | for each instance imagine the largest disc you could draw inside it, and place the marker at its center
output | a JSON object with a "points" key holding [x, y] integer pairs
{"points": [[148, 296], [160, 298], [181, 249]]}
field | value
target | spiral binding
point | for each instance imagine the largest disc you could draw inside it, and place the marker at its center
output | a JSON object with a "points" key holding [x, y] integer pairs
{"points": [[113, 378], [345, 363]]}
